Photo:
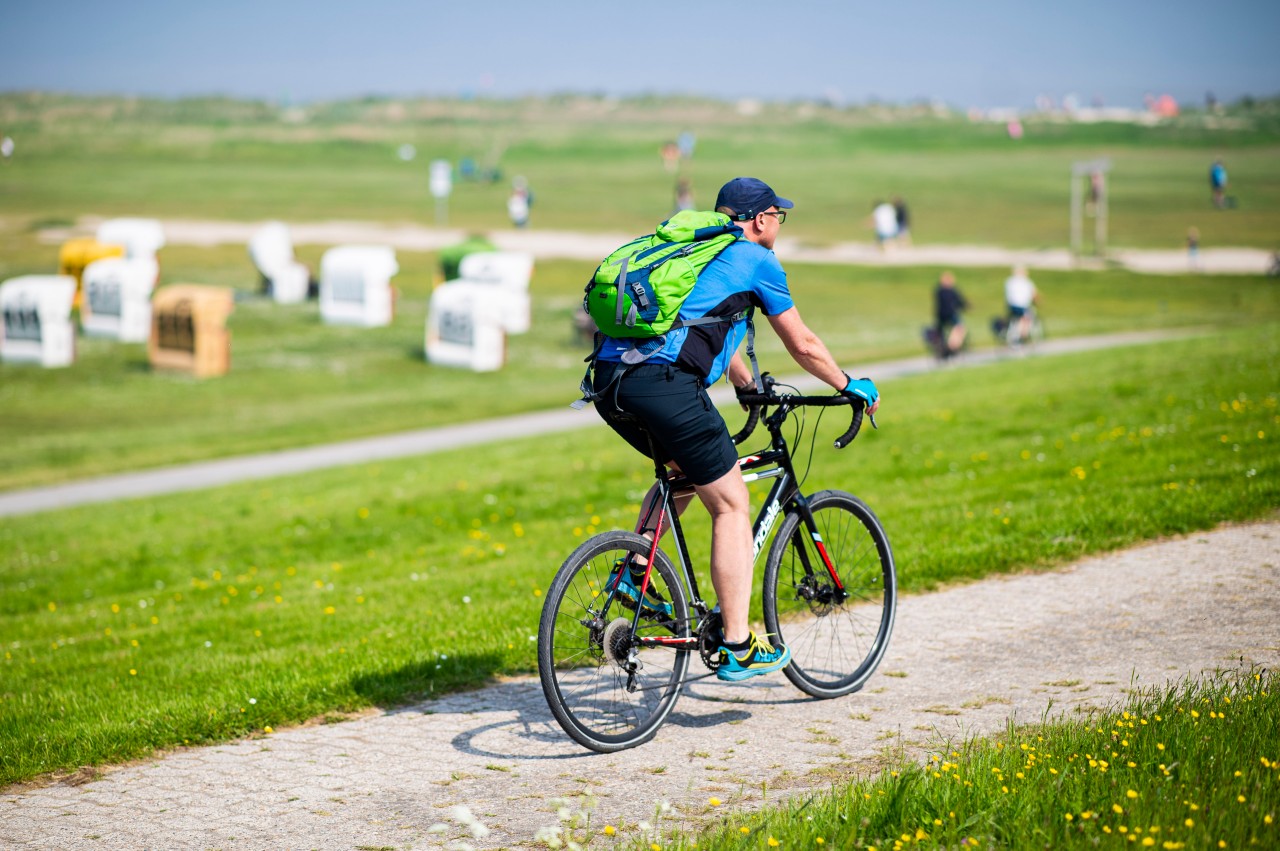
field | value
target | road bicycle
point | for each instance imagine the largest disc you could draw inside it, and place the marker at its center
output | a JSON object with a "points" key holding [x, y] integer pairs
{"points": [[612, 665]]}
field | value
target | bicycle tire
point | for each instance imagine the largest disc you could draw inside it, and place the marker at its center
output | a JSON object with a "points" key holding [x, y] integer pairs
{"points": [[583, 681], [835, 646]]}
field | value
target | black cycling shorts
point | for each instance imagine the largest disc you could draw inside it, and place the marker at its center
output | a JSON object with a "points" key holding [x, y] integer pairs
{"points": [[674, 407]]}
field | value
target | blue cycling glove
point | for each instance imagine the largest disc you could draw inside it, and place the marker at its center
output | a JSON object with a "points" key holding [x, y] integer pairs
{"points": [[862, 388]]}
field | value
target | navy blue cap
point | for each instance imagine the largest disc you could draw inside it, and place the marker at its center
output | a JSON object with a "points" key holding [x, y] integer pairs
{"points": [[748, 196]]}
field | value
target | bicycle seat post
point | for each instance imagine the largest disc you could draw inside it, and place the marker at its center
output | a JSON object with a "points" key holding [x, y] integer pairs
{"points": [[660, 503]]}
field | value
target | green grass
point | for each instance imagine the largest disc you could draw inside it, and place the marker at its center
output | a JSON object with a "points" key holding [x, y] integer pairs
{"points": [[596, 167], [295, 381], [1191, 766], [199, 617]]}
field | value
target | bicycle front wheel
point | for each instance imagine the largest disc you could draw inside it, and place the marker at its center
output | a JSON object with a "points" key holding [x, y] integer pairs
{"points": [[837, 631], [609, 683]]}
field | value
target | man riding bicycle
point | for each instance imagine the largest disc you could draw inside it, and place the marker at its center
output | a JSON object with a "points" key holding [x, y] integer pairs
{"points": [[1021, 297], [667, 395]]}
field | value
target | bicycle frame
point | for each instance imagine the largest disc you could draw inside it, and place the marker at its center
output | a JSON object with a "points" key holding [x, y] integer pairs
{"points": [[784, 495]]}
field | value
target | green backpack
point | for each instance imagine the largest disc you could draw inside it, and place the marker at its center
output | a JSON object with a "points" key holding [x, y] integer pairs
{"points": [[638, 290]]}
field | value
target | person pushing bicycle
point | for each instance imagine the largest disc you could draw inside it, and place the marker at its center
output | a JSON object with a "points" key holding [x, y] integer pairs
{"points": [[665, 397]]}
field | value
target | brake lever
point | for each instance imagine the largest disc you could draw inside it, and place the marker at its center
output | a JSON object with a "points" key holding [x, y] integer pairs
{"points": [[872, 417]]}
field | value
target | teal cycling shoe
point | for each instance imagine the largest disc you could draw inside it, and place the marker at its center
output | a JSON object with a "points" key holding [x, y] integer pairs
{"points": [[628, 592], [761, 657]]}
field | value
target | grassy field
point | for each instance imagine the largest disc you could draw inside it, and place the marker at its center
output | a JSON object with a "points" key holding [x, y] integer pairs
{"points": [[199, 617], [1192, 766], [195, 618], [593, 164], [295, 381]]}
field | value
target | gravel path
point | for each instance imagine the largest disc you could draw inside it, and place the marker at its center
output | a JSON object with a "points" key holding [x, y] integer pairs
{"points": [[962, 662], [593, 246]]}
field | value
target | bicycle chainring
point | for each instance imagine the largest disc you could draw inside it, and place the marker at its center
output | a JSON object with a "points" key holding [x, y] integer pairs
{"points": [[710, 637]]}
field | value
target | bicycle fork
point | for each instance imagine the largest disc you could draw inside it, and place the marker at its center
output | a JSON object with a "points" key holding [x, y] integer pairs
{"points": [[784, 493], [811, 589]]}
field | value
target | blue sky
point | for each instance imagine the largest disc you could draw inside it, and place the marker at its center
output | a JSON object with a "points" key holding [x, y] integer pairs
{"points": [[1000, 53]]}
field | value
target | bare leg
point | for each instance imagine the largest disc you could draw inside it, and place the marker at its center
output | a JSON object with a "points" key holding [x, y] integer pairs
{"points": [[682, 500], [729, 503]]}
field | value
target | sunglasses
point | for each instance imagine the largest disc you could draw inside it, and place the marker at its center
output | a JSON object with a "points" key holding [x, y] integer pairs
{"points": [[781, 214]]}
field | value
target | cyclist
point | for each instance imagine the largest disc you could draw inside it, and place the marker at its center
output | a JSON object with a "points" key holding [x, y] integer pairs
{"points": [[667, 394], [948, 307], [1021, 297]]}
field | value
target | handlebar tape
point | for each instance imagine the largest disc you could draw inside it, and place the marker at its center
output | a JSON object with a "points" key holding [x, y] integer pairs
{"points": [[859, 408], [755, 401]]}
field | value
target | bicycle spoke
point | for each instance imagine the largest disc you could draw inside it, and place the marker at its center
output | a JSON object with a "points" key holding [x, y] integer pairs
{"points": [[605, 688]]}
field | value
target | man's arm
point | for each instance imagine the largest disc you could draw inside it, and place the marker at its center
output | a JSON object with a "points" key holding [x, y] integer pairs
{"points": [[739, 373], [806, 349]]}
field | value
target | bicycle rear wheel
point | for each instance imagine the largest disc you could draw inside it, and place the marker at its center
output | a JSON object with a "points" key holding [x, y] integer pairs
{"points": [[610, 689], [837, 638]]}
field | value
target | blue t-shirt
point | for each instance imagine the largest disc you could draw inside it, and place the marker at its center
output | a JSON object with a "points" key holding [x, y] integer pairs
{"points": [[744, 275]]}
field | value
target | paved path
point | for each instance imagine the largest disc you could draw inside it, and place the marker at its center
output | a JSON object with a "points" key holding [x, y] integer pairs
{"points": [[593, 246], [962, 662], [270, 464]]}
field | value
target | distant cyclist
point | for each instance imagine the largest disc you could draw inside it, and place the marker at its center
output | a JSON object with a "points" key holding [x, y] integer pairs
{"points": [[668, 395], [948, 308], [1021, 297]]}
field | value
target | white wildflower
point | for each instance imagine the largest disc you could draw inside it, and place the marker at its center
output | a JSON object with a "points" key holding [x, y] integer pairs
{"points": [[463, 815], [549, 836]]}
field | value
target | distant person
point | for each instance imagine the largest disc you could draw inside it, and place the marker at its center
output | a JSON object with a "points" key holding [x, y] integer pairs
{"points": [[903, 217], [1218, 183], [884, 220], [1193, 248], [684, 196], [519, 202], [948, 308], [1020, 297], [670, 156], [1096, 189], [686, 142]]}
